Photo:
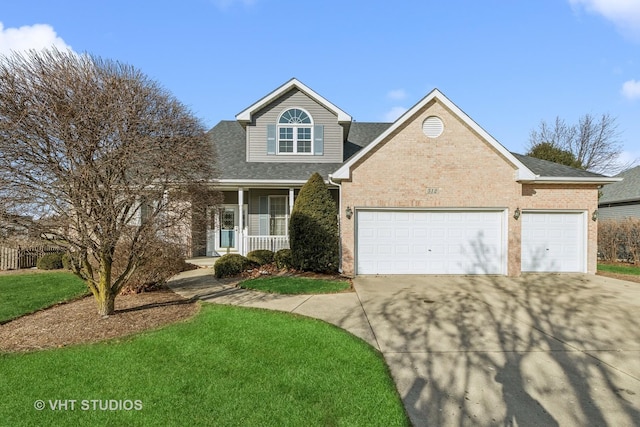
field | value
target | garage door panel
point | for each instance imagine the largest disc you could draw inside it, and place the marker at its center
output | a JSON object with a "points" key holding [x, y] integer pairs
{"points": [[420, 233], [367, 249], [430, 242], [553, 242], [403, 250], [401, 233]]}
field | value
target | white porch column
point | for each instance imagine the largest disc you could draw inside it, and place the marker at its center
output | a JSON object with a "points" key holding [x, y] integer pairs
{"points": [[241, 221], [291, 200]]}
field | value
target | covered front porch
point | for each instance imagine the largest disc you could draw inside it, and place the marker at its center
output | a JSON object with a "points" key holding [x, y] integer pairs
{"points": [[250, 219]]}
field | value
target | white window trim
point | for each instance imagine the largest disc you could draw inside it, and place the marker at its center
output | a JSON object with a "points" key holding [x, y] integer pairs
{"points": [[295, 127]]}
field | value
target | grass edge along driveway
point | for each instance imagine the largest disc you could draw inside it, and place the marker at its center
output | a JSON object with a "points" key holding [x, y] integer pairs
{"points": [[295, 285], [226, 366]]}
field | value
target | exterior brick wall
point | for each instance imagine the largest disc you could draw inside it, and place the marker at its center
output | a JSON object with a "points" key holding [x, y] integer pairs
{"points": [[406, 170]]}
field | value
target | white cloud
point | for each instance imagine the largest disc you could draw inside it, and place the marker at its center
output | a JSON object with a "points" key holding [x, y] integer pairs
{"points": [[625, 14], [394, 113], [631, 89], [38, 36], [397, 94]]}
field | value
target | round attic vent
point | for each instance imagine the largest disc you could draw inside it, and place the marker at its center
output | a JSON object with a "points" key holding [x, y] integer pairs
{"points": [[432, 127]]}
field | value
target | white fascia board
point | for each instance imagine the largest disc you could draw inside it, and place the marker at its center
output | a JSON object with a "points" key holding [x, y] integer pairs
{"points": [[245, 115], [261, 183], [571, 180], [522, 171]]}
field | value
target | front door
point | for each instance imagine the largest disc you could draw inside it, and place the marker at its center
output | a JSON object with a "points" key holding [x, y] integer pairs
{"points": [[227, 234], [222, 230]]}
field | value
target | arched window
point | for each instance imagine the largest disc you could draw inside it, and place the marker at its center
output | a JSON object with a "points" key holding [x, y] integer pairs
{"points": [[295, 132]]}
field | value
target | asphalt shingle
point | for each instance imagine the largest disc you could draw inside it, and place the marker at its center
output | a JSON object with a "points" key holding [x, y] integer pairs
{"points": [[229, 139], [546, 168], [624, 191]]}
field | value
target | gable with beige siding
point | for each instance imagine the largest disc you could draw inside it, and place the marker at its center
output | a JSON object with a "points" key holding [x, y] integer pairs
{"points": [[257, 130]]}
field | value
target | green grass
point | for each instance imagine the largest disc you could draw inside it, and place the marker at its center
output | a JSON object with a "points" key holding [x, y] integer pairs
{"points": [[295, 285], [620, 269], [228, 366], [21, 294]]}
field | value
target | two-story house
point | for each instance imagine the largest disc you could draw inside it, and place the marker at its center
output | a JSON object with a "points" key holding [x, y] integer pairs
{"points": [[431, 193]]}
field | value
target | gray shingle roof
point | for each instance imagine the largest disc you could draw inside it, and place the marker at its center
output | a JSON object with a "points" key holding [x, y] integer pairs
{"points": [[626, 190], [229, 139], [550, 169], [361, 134]]}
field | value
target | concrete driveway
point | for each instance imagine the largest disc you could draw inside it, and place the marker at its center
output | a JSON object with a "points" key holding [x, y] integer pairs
{"points": [[540, 350]]}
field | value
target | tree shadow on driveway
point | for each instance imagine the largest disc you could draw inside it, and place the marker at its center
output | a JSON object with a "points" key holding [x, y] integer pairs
{"points": [[539, 350]]}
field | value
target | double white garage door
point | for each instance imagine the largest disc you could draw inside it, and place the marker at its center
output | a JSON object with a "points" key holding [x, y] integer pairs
{"points": [[464, 242]]}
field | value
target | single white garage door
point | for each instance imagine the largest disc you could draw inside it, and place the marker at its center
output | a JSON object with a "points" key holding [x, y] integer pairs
{"points": [[553, 242], [433, 242]]}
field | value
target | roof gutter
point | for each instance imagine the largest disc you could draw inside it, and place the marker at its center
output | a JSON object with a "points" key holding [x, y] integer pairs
{"points": [[570, 180], [262, 183]]}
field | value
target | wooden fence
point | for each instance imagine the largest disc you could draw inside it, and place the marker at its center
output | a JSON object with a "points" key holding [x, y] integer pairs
{"points": [[16, 258]]}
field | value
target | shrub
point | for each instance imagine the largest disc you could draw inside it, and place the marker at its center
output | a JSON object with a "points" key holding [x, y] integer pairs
{"points": [[51, 261], [161, 261], [283, 258], [619, 240], [231, 265], [261, 256], [313, 229], [66, 261]]}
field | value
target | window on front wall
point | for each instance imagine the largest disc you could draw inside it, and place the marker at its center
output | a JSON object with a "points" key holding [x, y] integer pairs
{"points": [[295, 132], [278, 215]]}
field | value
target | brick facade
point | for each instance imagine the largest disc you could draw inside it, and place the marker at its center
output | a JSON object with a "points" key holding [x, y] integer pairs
{"points": [[458, 169]]}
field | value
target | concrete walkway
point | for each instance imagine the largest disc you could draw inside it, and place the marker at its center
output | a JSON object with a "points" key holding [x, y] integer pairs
{"points": [[342, 309]]}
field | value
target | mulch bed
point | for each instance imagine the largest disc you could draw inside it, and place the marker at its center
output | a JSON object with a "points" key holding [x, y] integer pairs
{"points": [[77, 321], [272, 270]]}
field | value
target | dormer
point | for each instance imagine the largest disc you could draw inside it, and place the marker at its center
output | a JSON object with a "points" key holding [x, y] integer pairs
{"points": [[293, 124]]}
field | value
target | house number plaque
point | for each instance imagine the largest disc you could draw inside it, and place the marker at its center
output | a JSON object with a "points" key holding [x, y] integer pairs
{"points": [[432, 190]]}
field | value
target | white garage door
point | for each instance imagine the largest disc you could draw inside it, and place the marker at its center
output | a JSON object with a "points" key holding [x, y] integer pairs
{"points": [[434, 242], [553, 242]]}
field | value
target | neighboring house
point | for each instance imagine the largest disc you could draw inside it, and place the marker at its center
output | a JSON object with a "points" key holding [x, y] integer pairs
{"points": [[431, 193], [621, 199]]}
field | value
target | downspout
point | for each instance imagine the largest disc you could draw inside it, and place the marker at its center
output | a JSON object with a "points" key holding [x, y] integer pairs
{"points": [[339, 221]]}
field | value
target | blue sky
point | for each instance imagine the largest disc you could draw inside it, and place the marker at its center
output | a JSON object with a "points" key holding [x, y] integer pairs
{"points": [[508, 64]]}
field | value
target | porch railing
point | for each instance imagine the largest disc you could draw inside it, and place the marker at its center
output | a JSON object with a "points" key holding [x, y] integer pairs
{"points": [[272, 243]]}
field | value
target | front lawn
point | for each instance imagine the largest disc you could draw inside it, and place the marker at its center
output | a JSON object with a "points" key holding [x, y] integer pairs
{"points": [[226, 366], [295, 285], [632, 270], [21, 294]]}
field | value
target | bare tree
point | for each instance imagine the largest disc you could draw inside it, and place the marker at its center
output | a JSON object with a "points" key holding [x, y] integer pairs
{"points": [[99, 158], [594, 142]]}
